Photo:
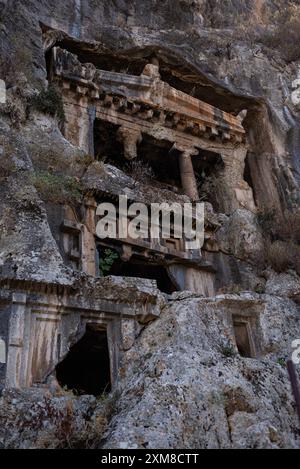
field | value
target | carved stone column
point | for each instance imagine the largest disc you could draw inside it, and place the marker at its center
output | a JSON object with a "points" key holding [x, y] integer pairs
{"points": [[130, 139], [236, 193], [78, 124], [187, 173], [15, 364], [88, 238]]}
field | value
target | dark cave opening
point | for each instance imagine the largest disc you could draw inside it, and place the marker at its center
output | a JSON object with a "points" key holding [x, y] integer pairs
{"points": [[86, 368], [155, 156], [139, 268], [207, 166], [163, 162], [107, 147], [48, 60], [248, 175]]}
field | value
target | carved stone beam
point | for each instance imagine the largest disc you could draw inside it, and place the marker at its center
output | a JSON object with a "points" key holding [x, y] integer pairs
{"points": [[130, 139], [187, 173]]}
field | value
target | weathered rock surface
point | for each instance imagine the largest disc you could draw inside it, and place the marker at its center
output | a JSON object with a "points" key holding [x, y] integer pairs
{"points": [[284, 285], [107, 178], [39, 418], [182, 391], [240, 236], [27, 247], [183, 385], [182, 382]]}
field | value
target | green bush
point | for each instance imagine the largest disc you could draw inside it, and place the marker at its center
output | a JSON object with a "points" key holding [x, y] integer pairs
{"points": [[227, 351], [49, 102], [106, 261], [281, 362], [57, 188]]}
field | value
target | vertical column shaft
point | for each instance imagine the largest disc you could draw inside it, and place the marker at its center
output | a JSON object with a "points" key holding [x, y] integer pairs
{"points": [[16, 341], [89, 250], [187, 174]]}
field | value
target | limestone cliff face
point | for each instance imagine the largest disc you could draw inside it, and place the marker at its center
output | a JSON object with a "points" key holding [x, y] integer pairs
{"points": [[184, 389], [182, 381], [216, 48], [183, 384]]}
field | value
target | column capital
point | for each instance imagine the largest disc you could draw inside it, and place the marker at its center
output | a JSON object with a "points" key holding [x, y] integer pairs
{"points": [[130, 137], [186, 150], [19, 298]]}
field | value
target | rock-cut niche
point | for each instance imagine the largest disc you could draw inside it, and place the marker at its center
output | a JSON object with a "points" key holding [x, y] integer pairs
{"points": [[86, 368]]}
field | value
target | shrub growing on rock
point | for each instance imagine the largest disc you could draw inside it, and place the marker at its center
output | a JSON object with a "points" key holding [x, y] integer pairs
{"points": [[141, 173], [285, 36], [57, 188], [49, 102], [281, 238]]}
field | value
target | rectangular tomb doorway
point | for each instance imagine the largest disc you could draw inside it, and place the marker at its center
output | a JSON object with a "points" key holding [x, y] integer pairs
{"points": [[243, 337], [86, 368]]}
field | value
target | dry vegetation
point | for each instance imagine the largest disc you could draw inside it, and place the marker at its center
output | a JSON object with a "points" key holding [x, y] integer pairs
{"points": [[282, 239], [49, 102], [285, 36], [57, 188], [58, 424], [140, 172], [7, 163]]}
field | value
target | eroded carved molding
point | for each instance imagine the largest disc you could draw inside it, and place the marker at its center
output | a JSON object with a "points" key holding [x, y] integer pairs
{"points": [[237, 193], [151, 70], [147, 96]]}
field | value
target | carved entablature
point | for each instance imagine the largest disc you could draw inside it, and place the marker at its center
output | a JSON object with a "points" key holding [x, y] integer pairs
{"points": [[143, 109], [147, 101], [164, 249]]}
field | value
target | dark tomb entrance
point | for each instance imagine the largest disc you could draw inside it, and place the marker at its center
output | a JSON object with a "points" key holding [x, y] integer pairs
{"points": [[136, 268], [86, 368], [242, 338]]}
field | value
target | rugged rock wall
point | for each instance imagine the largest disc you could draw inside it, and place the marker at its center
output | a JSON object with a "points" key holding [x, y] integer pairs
{"points": [[217, 49], [186, 386], [183, 383], [230, 63]]}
